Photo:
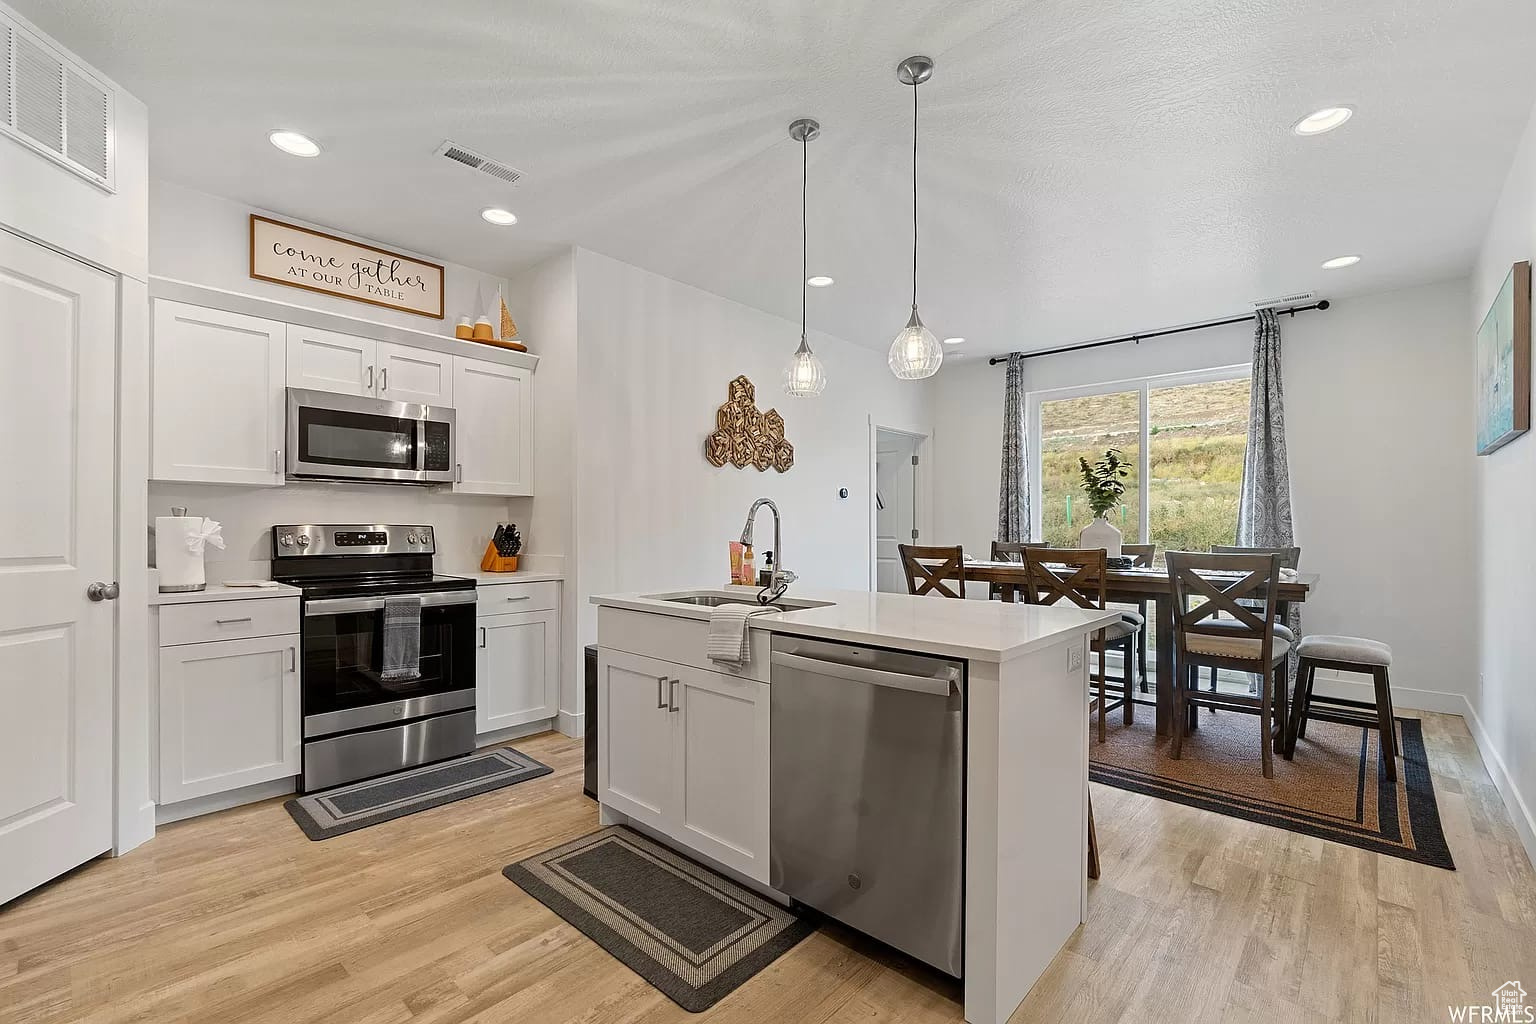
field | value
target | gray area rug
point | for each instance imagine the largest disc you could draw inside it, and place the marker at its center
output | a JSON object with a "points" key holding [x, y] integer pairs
{"points": [[346, 809], [690, 932]]}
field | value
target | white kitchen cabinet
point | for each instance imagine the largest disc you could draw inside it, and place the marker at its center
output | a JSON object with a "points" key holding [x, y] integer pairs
{"points": [[417, 375], [685, 751], [328, 361], [635, 736], [349, 365], [517, 669], [218, 404], [229, 715], [494, 428], [721, 769]]}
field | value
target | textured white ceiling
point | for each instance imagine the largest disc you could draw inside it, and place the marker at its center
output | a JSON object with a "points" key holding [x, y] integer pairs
{"points": [[1088, 168]]}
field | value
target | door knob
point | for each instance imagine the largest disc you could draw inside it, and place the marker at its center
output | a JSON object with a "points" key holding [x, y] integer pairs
{"points": [[102, 591]]}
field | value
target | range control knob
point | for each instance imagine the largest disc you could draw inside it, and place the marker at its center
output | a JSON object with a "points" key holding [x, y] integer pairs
{"points": [[303, 540], [286, 540], [410, 538]]}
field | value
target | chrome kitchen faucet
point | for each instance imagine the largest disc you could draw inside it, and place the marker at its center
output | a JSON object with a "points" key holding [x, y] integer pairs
{"points": [[779, 578]]}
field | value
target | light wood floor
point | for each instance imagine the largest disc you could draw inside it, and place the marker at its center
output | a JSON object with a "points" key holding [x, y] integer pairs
{"points": [[237, 917]]}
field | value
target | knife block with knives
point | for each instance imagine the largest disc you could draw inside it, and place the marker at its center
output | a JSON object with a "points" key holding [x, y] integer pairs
{"points": [[501, 553]]}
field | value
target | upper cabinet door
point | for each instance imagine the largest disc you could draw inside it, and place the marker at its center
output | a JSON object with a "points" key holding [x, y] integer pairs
{"points": [[327, 361], [494, 428], [414, 375], [218, 412]]}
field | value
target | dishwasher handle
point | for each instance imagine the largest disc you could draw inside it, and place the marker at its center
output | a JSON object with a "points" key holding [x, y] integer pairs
{"points": [[939, 686]]}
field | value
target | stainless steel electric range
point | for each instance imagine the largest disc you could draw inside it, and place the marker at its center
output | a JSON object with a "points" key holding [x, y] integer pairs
{"points": [[356, 723]]}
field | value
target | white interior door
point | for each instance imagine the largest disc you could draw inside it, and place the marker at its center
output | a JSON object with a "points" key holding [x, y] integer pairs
{"points": [[895, 496], [58, 351]]}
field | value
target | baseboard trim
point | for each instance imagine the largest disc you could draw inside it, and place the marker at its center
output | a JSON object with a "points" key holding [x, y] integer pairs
{"points": [[1336, 684], [1514, 802], [516, 732], [572, 724], [134, 829], [165, 814]]}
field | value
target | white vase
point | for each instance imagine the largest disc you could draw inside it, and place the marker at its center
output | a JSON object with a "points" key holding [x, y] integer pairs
{"points": [[1101, 533]]}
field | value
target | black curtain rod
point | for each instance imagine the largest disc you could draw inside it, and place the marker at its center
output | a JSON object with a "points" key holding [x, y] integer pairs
{"points": [[1144, 335]]}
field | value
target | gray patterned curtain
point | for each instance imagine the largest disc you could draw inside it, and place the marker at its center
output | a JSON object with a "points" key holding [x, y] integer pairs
{"points": [[1013, 493], [1264, 510]]}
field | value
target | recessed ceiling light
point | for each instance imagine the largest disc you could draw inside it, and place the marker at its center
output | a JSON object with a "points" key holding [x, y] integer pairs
{"points": [[954, 341], [293, 143], [1320, 121], [819, 281], [1340, 261], [496, 215]]}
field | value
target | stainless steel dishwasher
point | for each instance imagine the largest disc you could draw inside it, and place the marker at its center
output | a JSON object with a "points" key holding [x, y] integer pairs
{"points": [[867, 791]]}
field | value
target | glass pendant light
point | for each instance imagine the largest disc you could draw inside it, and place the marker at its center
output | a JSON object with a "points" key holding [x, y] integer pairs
{"points": [[804, 377], [915, 353]]}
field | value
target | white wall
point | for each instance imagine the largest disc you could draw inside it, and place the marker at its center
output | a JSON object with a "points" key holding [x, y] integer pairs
{"points": [[1506, 487], [654, 359], [206, 239], [1378, 418]]}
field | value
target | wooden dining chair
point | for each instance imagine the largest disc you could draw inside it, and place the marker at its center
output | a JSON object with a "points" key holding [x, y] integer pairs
{"points": [[1290, 558], [928, 569], [1246, 642], [1008, 551], [1142, 557], [1076, 575]]}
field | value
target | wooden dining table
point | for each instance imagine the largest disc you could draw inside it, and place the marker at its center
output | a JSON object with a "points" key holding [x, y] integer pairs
{"points": [[1132, 586]]}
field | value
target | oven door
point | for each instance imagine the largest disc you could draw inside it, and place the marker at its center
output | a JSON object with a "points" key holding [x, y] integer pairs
{"points": [[350, 437], [343, 643]]}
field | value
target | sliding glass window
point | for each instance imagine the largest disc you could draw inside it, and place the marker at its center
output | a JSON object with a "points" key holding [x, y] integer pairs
{"points": [[1183, 436]]}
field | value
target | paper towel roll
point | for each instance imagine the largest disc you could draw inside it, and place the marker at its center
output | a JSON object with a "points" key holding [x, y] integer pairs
{"points": [[180, 569]]}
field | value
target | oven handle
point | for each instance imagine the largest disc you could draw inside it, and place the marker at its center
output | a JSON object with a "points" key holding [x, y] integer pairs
{"points": [[342, 605]]}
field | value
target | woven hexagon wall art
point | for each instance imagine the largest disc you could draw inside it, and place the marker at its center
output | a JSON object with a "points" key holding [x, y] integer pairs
{"points": [[746, 437]]}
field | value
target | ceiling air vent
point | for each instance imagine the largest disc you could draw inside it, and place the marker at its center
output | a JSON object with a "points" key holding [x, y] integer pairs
{"points": [[1293, 299], [478, 162], [53, 105]]}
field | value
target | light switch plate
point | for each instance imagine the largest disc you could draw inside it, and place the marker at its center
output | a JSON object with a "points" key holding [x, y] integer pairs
{"points": [[1075, 658]]}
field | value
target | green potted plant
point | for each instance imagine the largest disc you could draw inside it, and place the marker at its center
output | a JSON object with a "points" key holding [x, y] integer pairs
{"points": [[1104, 483]]}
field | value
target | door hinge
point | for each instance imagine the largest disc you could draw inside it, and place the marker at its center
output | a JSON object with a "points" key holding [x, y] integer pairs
{"points": [[914, 533], [914, 460]]}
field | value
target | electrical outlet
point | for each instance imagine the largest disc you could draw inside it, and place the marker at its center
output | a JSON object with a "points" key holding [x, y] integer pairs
{"points": [[1075, 658]]}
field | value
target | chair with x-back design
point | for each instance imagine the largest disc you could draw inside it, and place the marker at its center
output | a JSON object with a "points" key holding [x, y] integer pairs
{"points": [[1077, 576], [1242, 587], [928, 569]]}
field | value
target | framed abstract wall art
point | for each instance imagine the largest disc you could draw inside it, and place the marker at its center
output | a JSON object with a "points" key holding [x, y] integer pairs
{"points": [[1504, 364]]}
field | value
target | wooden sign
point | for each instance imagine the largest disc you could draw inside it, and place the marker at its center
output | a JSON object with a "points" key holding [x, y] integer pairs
{"points": [[317, 262]]}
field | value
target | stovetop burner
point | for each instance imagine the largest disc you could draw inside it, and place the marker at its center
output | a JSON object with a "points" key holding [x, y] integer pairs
{"points": [[356, 586]]}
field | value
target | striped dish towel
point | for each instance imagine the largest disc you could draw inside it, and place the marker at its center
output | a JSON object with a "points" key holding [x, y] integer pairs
{"points": [[402, 639], [727, 642]]}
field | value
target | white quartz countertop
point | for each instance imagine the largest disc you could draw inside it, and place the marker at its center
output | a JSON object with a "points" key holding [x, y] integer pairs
{"points": [[219, 592], [977, 630], [486, 579]]}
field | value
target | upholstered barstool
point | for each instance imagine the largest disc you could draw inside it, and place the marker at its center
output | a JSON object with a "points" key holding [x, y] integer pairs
{"points": [[1344, 654]]}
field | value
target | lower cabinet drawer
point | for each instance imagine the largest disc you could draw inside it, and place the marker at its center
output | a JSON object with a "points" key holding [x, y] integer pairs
{"points": [[227, 620], [504, 598]]}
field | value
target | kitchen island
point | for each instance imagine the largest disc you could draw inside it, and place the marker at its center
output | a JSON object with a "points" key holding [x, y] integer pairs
{"points": [[689, 749]]}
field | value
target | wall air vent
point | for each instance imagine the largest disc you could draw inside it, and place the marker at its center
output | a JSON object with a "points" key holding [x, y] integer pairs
{"points": [[1293, 299], [54, 105], [479, 162]]}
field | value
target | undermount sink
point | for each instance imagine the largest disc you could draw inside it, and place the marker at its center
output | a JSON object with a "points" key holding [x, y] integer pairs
{"points": [[713, 600]]}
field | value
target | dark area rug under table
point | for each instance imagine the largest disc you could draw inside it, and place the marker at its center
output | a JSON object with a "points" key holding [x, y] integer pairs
{"points": [[344, 809], [693, 934], [1335, 788]]}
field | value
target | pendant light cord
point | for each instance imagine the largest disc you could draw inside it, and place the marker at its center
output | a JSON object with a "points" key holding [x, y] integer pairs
{"points": [[914, 195], [805, 259]]}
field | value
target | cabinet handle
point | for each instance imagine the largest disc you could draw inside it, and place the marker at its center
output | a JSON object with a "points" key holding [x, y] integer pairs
{"points": [[230, 622], [482, 636], [672, 695], [384, 380], [277, 460], [293, 659], [661, 689], [525, 597], [370, 378], [458, 473]]}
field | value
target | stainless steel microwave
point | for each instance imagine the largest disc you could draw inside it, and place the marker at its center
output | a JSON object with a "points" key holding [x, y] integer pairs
{"points": [[350, 437]]}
